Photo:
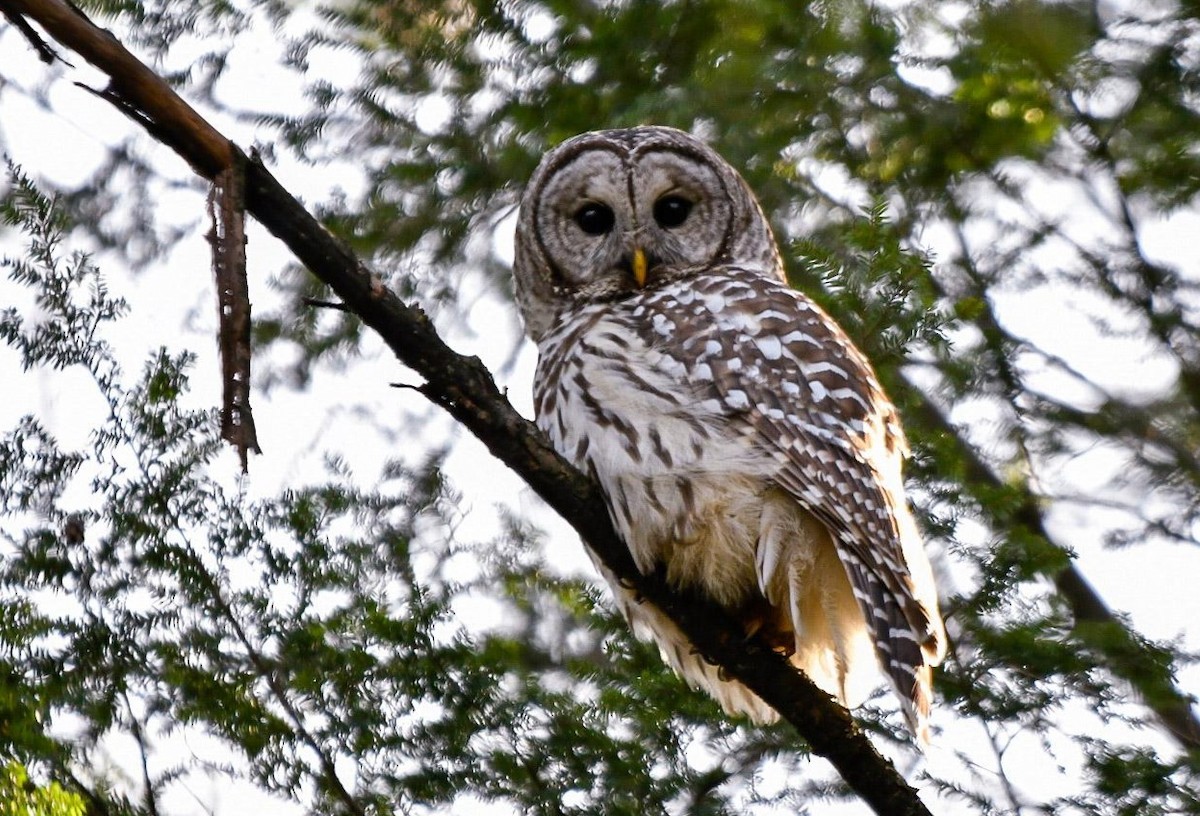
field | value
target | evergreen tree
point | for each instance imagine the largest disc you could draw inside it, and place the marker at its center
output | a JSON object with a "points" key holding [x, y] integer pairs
{"points": [[348, 638]]}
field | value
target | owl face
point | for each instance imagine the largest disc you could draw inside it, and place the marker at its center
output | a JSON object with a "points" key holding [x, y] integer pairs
{"points": [[610, 213]]}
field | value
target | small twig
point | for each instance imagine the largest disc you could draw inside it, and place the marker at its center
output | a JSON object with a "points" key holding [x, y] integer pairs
{"points": [[316, 303], [420, 389], [144, 754], [45, 53]]}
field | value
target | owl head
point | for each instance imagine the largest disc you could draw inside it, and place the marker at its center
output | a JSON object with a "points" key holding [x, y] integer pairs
{"points": [[612, 212]]}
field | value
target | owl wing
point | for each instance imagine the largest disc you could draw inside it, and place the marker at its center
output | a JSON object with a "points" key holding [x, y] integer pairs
{"points": [[793, 382]]}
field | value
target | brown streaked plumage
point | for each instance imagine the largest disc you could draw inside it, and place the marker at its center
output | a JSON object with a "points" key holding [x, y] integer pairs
{"points": [[743, 443]]}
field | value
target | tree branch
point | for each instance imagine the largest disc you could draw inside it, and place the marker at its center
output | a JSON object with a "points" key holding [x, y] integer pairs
{"points": [[464, 388], [1129, 657]]}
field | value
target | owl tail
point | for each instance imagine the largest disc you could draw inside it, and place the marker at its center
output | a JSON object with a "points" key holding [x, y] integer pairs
{"points": [[906, 645]]}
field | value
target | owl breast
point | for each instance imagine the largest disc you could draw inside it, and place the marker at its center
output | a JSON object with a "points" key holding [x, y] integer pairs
{"points": [[626, 393], [684, 493]]}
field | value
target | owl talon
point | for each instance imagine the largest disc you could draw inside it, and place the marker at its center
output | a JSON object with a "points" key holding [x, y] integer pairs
{"points": [[782, 641]]}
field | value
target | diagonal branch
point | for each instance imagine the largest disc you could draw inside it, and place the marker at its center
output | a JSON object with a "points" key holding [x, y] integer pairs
{"points": [[1096, 625], [1130, 657], [465, 389]]}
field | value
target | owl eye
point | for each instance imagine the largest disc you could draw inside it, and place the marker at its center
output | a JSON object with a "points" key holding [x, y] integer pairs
{"points": [[595, 219], [671, 211]]}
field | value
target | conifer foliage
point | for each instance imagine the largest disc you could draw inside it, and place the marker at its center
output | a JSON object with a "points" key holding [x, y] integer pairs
{"points": [[978, 192]]}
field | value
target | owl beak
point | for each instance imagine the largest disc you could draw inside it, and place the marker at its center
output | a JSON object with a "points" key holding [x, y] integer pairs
{"points": [[639, 266]]}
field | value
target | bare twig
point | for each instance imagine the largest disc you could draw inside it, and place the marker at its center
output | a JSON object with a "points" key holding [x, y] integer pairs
{"points": [[150, 798], [325, 304], [45, 53]]}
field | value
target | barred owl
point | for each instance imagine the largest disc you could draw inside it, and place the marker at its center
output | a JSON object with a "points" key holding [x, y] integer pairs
{"points": [[743, 444]]}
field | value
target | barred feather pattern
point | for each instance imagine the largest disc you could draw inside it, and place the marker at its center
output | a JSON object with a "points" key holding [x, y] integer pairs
{"points": [[727, 381], [742, 442]]}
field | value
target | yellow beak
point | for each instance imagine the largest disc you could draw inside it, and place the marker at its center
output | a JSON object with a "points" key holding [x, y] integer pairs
{"points": [[639, 266]]}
